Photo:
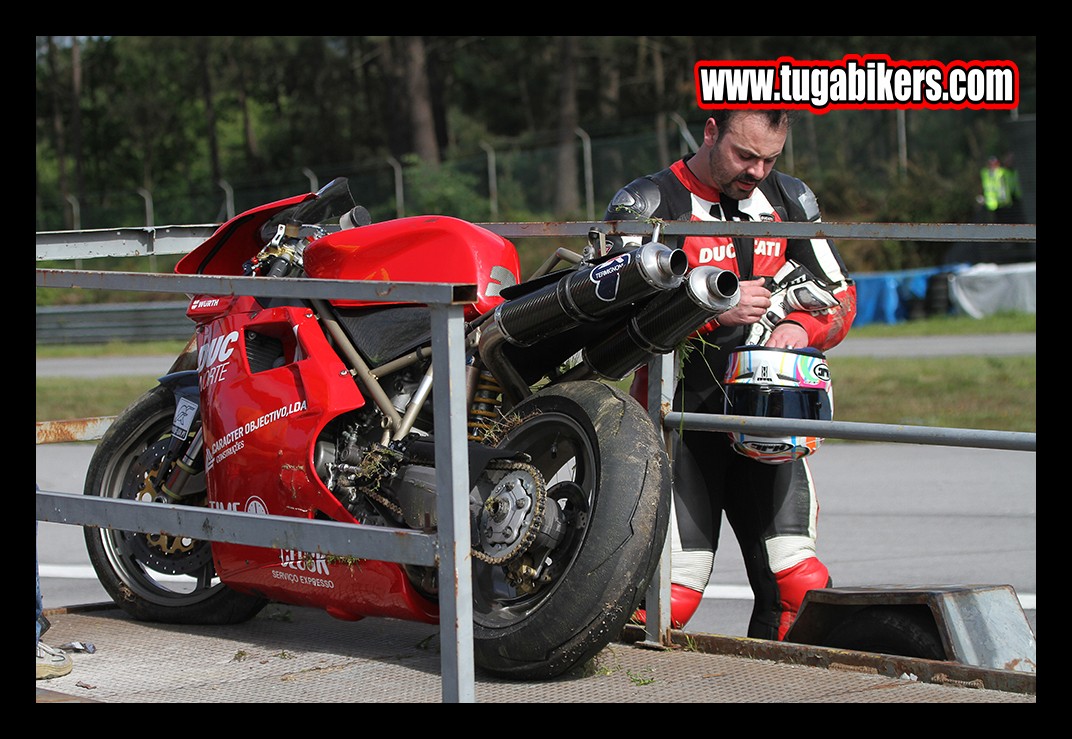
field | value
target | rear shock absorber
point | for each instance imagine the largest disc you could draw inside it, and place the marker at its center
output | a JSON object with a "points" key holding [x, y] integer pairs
{"points": [[484, 409]]}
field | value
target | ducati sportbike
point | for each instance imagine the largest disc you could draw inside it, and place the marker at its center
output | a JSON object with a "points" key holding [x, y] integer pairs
{"points": [[322, 410]]}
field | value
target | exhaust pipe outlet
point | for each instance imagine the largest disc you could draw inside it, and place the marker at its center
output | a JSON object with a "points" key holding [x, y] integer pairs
{"points": [[661, 325], [592, 293]]}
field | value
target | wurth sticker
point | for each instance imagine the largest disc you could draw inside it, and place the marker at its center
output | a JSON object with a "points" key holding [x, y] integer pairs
{"points": [[872, 81]]}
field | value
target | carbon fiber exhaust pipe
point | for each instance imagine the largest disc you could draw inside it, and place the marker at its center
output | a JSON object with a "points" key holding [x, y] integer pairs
{"points": [[661, 325], [592, 293]]}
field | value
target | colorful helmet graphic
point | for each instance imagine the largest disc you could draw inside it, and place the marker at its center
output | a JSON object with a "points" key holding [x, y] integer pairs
{"points": [[778, 383]]}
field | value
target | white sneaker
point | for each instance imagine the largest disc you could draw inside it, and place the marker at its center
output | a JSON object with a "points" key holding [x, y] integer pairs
{"points": [[52, 662]]}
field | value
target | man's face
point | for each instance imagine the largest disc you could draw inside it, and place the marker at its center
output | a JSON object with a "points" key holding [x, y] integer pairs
{"points": [[745, 154]]}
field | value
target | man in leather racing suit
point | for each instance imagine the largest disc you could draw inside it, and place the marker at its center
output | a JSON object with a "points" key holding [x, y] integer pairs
{"points": [[771, 507]]}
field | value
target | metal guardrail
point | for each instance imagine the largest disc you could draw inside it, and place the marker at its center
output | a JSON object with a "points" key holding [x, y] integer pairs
{"points": [[975, 438], [105, 322], [449, 547]]}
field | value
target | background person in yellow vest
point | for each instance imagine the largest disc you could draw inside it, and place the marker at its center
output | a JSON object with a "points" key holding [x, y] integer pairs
{"points": [[1001, 191]]}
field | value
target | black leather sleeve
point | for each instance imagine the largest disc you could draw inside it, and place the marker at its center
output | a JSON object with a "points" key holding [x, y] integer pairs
{"points": [[820, 256]]}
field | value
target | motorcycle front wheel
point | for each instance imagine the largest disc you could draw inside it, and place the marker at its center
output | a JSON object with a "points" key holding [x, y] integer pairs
{"points": [[153, 577], [605, 467]]}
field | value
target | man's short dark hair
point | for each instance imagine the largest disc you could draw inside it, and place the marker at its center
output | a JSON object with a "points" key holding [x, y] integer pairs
{"points": [[777, 117]]}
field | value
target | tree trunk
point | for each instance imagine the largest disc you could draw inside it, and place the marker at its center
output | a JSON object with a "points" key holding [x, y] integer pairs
{"points": [[658, 76], [253, 144], [210, 108], [422, 118], [567, 199], [396, 119], [58, 130], [610, 166], [76, 117]]}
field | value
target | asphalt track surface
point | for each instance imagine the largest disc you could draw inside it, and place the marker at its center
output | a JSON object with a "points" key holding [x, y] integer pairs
{"points": [[890, 514]]}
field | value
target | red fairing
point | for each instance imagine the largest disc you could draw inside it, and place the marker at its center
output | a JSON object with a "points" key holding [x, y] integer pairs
{"points": [[419, 249], [258, 427], [228, 248]]}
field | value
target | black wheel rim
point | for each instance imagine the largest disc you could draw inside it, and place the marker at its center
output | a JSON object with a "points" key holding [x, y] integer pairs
{"points": [[561, 449], [173, 573]]}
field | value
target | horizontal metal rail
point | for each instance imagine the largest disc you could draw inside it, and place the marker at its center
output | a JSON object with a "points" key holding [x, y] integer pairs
{"points": [[934, 435], [792, 230], [160, 240], [121, 242], [277, 287], [90, 429], [75, 429], [275, 532]]}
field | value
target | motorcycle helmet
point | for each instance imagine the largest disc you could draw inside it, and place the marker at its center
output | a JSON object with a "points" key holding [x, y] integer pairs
{"points": [[778, 383]]}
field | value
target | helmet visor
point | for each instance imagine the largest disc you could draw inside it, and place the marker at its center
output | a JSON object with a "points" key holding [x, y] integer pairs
{"points": [[772, 401]]}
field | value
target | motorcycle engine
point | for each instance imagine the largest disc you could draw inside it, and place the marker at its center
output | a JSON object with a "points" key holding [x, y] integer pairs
{"points": [[393, 483], [367, 474]]}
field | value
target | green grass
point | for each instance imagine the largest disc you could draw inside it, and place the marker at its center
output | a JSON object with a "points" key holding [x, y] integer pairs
{"points": [[975, 392], [994, 393], [1000, 323], [114, 349], [60, 398]]}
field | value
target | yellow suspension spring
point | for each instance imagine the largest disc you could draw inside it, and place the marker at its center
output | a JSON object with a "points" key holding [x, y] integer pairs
{"points": [[484, 411]]}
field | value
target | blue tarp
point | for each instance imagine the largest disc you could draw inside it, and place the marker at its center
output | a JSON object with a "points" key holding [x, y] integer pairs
{"points": [[889, 297]]}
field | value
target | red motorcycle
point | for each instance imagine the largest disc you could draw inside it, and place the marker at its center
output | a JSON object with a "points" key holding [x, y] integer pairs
{"points": [[322, 410]]}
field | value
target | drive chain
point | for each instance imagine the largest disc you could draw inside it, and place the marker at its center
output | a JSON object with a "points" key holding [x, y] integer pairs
{"points": [[539, 500]]}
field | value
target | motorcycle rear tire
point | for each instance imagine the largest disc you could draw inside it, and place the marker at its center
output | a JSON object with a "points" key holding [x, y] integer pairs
{"points": [[176, 587], [617, 495]]}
